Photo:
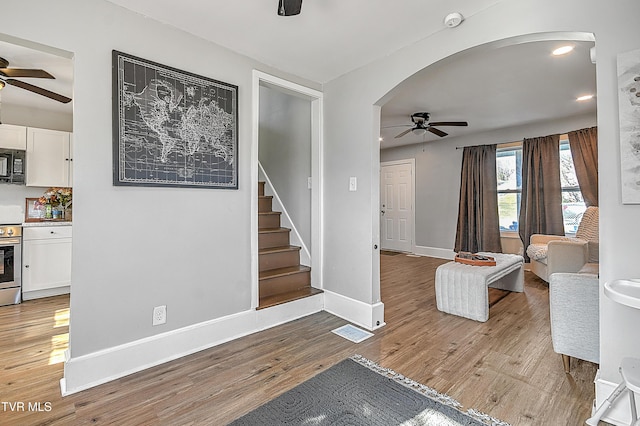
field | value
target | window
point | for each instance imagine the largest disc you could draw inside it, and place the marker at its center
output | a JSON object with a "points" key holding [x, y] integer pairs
{"points": [[572, 202], [509, 170]]}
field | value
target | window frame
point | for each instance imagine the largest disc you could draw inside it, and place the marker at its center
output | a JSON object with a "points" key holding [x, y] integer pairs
{"points": [[515, 146], [510, 146]]}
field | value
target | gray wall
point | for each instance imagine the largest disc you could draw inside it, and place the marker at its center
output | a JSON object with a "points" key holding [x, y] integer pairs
{"points": [[284, 150], [438, 166], [135, 248]]}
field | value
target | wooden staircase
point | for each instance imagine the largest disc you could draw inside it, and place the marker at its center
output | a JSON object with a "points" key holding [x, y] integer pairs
{"points": [[282, 277]]}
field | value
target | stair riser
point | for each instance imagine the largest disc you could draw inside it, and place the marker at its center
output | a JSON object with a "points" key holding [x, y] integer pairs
{"points": [[279, 259], [265, 204], [268, 221], [287, 283], [260, 188], [273, 239]]}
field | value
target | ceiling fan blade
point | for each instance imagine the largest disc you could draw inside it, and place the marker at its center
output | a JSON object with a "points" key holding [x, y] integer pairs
{"points": [[403, 133], [397, 125], [449, 123], [39, 90], [437, 131], [24, 72]]}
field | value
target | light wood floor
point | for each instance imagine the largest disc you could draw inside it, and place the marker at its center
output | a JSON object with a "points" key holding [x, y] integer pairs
{"points": [[505, 367]]}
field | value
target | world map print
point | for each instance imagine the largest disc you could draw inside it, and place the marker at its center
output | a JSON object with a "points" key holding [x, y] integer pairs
{"points": [[171, 127]]}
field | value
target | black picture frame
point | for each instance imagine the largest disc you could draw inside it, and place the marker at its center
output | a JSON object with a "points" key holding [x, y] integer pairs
{"points": [[172, 128]]}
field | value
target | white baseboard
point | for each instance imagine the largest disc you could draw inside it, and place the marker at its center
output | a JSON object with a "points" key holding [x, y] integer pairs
{"points": [[620, 413], [363, 314], [99, 367], [38, 294], [440, 253]]}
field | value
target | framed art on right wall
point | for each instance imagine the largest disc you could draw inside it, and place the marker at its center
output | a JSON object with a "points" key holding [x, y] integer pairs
{"points": [[629, 113]]}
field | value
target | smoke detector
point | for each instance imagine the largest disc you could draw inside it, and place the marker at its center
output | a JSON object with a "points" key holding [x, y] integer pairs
{"points": [[453, 19]]}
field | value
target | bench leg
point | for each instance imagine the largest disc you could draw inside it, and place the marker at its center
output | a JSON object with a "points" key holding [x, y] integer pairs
{"points": [[513, 281]]}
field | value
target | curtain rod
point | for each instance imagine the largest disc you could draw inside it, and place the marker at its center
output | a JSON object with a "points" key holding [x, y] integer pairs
{"points": [[501, 143], [514, 142]]}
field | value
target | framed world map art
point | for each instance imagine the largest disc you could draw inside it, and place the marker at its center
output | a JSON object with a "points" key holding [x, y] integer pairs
{"points": [[172, 128]]}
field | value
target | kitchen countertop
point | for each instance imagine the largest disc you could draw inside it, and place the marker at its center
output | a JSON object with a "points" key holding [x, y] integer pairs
{"points": [[47, 223]]}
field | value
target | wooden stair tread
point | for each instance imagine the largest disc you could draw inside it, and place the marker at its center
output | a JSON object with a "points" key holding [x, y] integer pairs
{"points": [[270, 213], [281, 298], [272, 230], [265, 196], [278, 249], [281, 272]]}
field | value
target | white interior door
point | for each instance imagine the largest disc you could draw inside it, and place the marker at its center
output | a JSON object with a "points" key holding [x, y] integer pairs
{"points": [[396, 206]]}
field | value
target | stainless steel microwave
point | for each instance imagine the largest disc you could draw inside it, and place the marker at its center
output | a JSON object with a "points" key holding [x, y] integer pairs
{"points": [[12, 166]]}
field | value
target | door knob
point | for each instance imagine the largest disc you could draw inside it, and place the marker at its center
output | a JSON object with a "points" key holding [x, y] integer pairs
{"points": [[382, 212]]}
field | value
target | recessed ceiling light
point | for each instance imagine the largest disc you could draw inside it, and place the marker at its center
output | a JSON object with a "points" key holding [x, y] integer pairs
{"points": [[584, 98], [562, 50]]}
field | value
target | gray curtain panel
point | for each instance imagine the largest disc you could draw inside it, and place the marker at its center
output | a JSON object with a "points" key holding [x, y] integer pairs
{"points": [[478, 225], [541, 201], [584, 150]]}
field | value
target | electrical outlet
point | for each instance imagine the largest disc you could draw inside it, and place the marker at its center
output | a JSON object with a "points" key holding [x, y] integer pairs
{"points": [[160, 315]]}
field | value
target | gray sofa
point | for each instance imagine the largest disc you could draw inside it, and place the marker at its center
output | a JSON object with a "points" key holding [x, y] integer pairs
{"points": [[574, 309]]}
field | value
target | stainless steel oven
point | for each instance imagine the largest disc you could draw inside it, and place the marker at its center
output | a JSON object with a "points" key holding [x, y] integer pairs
{"points": [[10, 264]]}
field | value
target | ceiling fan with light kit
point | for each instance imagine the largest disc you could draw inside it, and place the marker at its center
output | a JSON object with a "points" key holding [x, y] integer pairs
{"points": [[6, 74], [421, 125]]}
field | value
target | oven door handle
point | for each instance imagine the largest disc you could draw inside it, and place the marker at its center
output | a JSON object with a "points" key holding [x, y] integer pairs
{"points": [[9, 242]]}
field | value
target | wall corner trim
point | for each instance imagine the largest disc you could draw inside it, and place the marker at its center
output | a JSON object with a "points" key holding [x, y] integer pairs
{"points": [[369, 316]]}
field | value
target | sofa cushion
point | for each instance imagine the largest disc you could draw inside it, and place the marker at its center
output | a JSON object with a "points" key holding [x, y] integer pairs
{"points": [[537, 252], [588, 228]]}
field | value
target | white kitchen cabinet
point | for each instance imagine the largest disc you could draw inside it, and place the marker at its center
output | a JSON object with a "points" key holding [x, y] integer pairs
{"points": [[46, 261], [49, 158], [13, 137]]}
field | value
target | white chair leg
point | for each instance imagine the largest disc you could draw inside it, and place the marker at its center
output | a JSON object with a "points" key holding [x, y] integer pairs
{"points": [[595, 419], [632, 402]]}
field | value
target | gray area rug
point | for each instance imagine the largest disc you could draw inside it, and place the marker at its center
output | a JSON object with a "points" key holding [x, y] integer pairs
{"points": [[356, 392]]}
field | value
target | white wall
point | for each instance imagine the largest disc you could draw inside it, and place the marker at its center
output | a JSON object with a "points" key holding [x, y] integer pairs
{"points": [[438, 167], [135, 248], [353, 150], [284, 150], [34, 117]]}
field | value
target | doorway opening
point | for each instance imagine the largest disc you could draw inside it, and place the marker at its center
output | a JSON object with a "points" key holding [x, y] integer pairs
{"points": [[287, 146]]}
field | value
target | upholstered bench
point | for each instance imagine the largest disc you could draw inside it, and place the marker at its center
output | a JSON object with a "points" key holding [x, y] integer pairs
{"points": [[463, 290]]}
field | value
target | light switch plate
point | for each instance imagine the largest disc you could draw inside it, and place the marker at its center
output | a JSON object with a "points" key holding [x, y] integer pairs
{"points": [[353, 183]]}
